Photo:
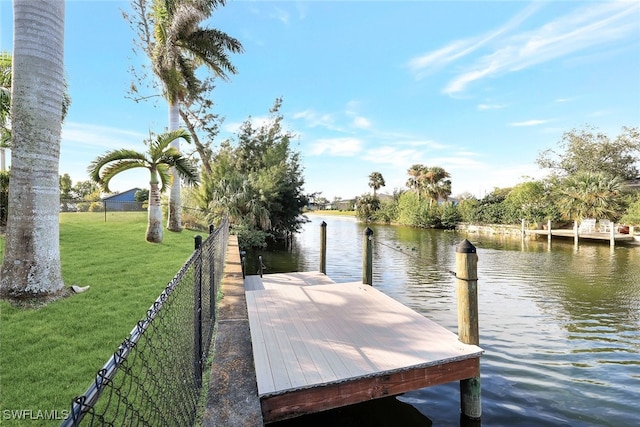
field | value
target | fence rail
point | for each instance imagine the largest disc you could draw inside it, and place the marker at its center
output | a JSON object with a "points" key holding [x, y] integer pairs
{"points": [[155, 376]]}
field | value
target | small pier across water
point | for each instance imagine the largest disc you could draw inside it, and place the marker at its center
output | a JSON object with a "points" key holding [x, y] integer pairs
{"points": [[319, 345]]}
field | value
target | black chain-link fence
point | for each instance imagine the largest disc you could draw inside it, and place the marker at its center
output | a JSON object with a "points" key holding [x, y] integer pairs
{"points": [[155, 376]]}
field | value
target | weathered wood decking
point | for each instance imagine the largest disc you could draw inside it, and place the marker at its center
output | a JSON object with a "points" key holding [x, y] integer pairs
{"points": [[318, 345], [618, 237]]}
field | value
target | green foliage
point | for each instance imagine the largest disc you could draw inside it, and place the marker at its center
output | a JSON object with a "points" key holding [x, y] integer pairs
{"points": [[259, 182], [376, 181], [141, 195], [428, 181], [366, 207], [387, 212], [532, 201], [632, 216], [450, 216], [586, 150], [591, 195], [469, 210], [126, 275], [416, 212]]}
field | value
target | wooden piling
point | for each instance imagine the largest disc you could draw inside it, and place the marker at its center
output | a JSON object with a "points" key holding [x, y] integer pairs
{"points": [[367, 256], [323, 247], [612, 234], [468, 331], [549, 229]]}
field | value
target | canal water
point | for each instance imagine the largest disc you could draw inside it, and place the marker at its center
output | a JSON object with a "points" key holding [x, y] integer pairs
{"points": [[560, 324]]}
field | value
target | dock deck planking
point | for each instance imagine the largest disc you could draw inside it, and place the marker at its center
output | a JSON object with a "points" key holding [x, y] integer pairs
{"points": [[335, 336], [618, 237]]}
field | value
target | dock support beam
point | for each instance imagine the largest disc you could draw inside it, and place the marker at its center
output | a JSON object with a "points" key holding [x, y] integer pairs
{"points": [[367, 256], [468, 332], [323, 247]]}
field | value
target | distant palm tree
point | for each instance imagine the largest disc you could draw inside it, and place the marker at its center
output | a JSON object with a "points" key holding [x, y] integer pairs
{"points": [[590, 195], [429, 181], [181, 45], [435, 185], [376, 181], [160, 158], [414, 181]]}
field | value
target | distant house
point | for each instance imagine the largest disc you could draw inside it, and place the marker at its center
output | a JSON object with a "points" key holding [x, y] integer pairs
{"points": [[124, 201]]}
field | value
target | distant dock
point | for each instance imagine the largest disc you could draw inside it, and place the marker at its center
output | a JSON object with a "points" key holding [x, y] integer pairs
{"points": [[319, 345], [612, 238]]}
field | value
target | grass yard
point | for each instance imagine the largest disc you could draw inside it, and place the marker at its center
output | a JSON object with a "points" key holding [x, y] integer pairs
{"points": [[51, 354]]}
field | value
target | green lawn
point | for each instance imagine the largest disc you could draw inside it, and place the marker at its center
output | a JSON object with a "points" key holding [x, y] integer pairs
{"points": [[50, 355]]}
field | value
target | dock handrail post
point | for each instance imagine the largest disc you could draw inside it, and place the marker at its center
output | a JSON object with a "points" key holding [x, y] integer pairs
{"points": [[323, 247], [367, 256], [468, 333]]}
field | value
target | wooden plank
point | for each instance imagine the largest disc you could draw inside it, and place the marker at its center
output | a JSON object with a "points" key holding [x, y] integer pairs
{"points": [[301, 402], [340, 332], [307, 278], [260, 354], [253, 283]]}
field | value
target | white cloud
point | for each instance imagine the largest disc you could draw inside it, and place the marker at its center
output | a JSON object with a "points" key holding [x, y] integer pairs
{"points": [[341, 147], [533, 122], [281, 15], [99, 136], [485, 107], [400, 158], [314, 119], [504, 51], [361, 122], [422, 65]]}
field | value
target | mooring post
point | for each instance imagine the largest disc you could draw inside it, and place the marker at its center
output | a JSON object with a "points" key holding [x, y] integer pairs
{"points": [[575, 232], [467, 292], [522, 227], [612, 234], [549, 229], [367, 256], [323, 247]]}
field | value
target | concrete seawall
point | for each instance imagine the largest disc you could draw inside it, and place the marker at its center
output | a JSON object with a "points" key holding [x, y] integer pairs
{"points": [[232, 398]]}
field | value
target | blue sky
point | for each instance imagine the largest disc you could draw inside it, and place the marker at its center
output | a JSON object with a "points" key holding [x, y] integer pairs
{"points": [[478, 88]]}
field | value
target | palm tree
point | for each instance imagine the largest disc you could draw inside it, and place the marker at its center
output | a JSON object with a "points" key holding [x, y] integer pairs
{"points": [[31, 264], [435, 184], [180, 46], [159, 160], [376, 181], [590, 195], [414, 181]]}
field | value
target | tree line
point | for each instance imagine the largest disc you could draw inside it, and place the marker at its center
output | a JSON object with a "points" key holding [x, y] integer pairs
{"points": [[254, 178], [590, 176]]}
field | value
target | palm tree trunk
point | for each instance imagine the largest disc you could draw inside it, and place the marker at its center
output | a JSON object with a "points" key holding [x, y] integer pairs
{"points": [[174, 219], [154, 222], [31, 265]]}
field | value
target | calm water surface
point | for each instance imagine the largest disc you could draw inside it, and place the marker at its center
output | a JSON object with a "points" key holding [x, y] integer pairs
{"points": [[560, 325]]}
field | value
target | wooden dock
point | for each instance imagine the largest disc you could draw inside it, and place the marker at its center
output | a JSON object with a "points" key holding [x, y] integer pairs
{"points": [[319, 345], [601, 236]]}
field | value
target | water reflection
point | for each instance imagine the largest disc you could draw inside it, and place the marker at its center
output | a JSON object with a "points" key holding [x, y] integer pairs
{"points": [[560, 324]]}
